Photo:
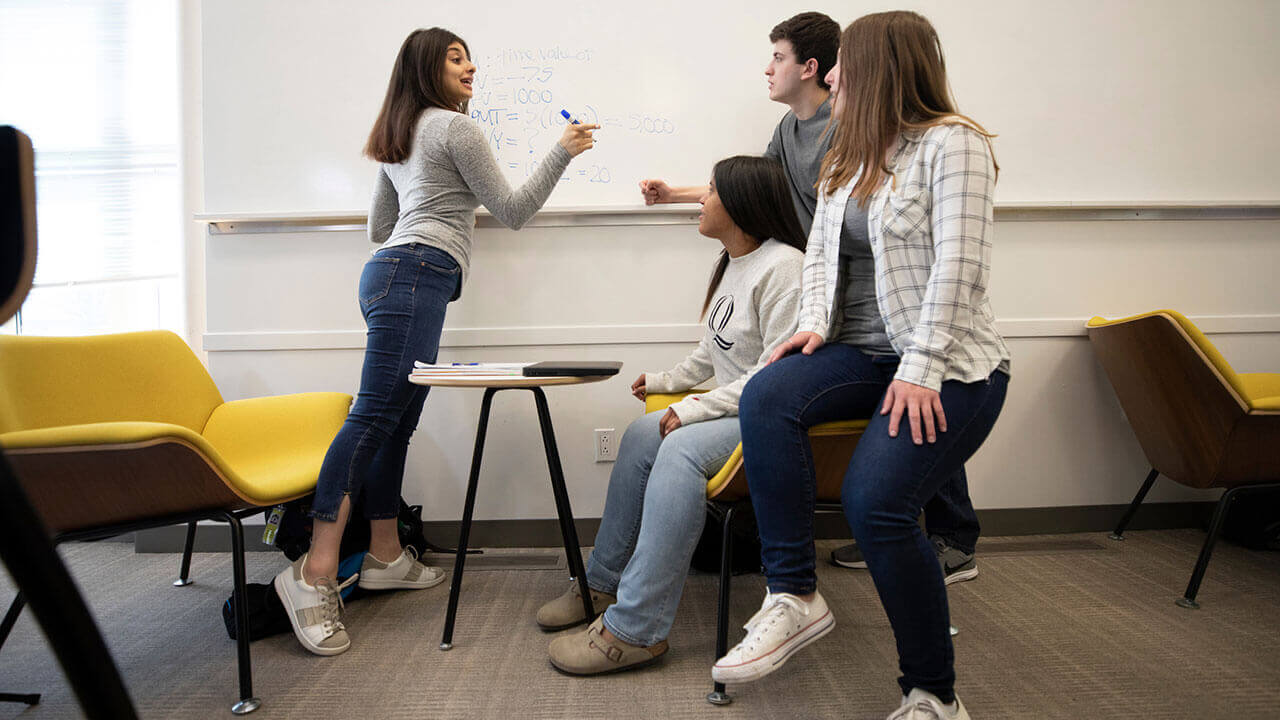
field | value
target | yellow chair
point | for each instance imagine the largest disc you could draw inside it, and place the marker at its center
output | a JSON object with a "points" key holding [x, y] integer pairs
{"points": [[25, 546], [117, 433], [1199, 422], [832, 445]]}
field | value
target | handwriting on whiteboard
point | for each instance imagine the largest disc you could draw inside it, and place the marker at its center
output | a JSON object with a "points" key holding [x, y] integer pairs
{"points": [[517, 102]]}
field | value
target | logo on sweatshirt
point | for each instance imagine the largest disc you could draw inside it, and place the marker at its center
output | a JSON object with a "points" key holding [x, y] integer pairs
{"points": [[718, 319]]}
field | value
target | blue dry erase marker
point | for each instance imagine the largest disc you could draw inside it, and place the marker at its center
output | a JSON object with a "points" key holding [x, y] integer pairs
{"points": [[570, 118], [464, 364]]}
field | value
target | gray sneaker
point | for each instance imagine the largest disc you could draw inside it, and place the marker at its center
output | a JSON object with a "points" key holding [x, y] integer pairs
{"points": [[403, 573], [848, 556], [957, 565]]}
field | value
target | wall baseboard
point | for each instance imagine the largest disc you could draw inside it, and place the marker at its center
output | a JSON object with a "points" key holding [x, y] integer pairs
{"points": [[546, 532]]}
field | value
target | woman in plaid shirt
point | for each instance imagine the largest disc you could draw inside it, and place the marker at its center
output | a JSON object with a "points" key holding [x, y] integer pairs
{"points": [[904, 204]]}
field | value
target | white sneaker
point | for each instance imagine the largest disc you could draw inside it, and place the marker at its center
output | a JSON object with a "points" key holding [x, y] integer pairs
{"points": [[315, 611], [924, 705], [783, 625], [403, 573]]}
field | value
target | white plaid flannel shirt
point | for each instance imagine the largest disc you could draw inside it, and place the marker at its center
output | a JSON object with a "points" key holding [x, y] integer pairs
{"points": [[931, 238]]}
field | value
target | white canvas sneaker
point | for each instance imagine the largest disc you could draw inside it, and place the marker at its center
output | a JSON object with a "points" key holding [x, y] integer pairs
{"points": [[403, 573], [924, 705], [315, 611], [783, 625]]}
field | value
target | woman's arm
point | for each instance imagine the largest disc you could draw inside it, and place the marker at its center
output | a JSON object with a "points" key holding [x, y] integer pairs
{"points": [[385, 208], [779, 305], [692, 370], [471, 155], [963, 186]]}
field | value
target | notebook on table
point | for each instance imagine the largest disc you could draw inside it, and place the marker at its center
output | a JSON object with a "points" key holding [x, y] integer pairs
{"points": [[572, 368]]}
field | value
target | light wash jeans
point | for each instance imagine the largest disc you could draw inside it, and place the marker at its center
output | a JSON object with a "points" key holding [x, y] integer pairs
{"points": [[653, 516]]}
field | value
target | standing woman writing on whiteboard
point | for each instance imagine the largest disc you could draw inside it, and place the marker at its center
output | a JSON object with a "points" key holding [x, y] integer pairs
{"points": [[436, 168], [912, 179]]}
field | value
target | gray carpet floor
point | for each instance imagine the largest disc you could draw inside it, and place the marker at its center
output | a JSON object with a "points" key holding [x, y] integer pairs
{"points": [[1055, 626]]}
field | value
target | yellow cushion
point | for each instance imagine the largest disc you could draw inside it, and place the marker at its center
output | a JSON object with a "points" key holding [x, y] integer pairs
{"points": [[726, 472], [1261, 390], [658, 401], [654, 402], [1202, 342], [269, 449], [839, 427], [147, 376], [104, 433], [275, 445]]}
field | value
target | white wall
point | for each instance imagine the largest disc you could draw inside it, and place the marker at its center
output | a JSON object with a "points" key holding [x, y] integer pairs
{"points": [[1060, 441], [282, 317]]}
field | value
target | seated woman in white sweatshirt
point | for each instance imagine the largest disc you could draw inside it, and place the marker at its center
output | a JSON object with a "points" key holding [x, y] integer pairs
{"points": [[655, 511]]}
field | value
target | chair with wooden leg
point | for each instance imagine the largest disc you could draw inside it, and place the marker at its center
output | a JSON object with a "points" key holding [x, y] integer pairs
{"points": [[111, 434], [33, 563], [1199, 422]]}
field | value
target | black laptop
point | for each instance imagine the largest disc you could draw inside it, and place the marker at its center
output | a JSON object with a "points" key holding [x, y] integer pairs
{"points": [[572, 368]]}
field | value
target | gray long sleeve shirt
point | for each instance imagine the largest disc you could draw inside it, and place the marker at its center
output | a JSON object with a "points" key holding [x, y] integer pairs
{"points": [[432, 196], [754, 308]]}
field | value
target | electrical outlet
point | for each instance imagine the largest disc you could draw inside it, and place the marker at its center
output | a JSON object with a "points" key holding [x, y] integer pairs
{"points": [[606, 446]]}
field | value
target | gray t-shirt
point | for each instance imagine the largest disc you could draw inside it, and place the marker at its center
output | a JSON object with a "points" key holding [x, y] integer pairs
{"points": [[859, 321], [431, 197], [799, 145]]}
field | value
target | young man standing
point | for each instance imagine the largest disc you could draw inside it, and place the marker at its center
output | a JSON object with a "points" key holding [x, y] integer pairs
{"points": [[804, 50]]}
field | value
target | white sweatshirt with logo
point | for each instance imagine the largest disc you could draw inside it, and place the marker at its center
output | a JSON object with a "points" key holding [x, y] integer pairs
{"points": [[754, 309]]}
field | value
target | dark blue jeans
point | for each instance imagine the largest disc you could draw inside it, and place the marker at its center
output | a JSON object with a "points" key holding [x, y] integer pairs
{"points": [[888, 481], [887, 477], [404, 291], [778, 406]]}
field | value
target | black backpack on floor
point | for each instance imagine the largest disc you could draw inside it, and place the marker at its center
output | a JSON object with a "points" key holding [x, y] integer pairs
{"points": [[267, 615], [1254, 520], [746, 543]]}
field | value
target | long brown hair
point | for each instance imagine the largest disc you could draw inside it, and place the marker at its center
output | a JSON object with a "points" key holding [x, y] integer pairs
{"points": [[416, 84], [892, 78], [756, 196]]}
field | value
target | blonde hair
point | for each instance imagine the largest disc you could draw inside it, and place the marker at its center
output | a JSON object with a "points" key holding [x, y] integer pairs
{"points": [[892, 78]]}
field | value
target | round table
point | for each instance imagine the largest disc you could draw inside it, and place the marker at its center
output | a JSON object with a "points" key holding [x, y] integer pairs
{"points": [[492, 385]]}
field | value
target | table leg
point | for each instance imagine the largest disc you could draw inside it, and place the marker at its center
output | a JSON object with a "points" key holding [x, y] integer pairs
{"points": [[446, 642], [567, 528]]}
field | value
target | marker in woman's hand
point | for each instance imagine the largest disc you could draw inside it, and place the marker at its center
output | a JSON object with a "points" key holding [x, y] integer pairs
{"points": [[572, 120]]}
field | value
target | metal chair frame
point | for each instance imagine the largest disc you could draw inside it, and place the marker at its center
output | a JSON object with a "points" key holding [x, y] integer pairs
{"points": [[247, 703]]}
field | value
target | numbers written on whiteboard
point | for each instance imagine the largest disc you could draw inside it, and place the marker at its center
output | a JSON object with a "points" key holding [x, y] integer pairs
{"points": [[533, 96], [650, 124]]}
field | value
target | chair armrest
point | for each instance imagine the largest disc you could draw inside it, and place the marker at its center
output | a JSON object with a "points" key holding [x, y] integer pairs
{"points": [[104, 433], [654, 402], [276, 444]]}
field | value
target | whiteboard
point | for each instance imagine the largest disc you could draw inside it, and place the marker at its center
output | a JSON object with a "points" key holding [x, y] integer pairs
{"points": [[1093, 101]]}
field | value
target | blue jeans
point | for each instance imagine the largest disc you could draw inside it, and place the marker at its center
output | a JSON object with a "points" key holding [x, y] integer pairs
{"points": [[404, 291], [778, 406], [884, 488], [653, 515], [882, 491]]}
